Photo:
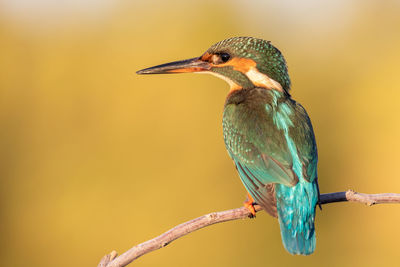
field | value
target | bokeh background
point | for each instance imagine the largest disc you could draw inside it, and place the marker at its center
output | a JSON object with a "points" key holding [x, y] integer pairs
{"points": [[94, 157]]}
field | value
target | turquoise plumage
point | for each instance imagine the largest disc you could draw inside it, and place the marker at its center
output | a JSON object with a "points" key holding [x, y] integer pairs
{"points": [[267, 134]]}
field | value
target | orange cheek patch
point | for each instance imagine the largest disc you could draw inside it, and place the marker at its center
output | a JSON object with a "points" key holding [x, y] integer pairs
{"points": [[238, 63]]}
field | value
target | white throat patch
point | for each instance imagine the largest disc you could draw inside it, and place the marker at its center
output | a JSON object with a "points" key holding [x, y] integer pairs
{"points": [[232, 84]]}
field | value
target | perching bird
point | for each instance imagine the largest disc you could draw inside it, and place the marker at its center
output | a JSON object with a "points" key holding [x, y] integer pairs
{"points": [[268, 135]]}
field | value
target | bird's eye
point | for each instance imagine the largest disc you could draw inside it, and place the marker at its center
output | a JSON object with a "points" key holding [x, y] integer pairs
{"points": [[225, 57]]}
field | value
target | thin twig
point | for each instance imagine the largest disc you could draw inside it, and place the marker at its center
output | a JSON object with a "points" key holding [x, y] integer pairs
{"points": [[111, 260]]}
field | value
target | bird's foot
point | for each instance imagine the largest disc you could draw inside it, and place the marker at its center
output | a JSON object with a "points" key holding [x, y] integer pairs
{"points": [[249, 204]]}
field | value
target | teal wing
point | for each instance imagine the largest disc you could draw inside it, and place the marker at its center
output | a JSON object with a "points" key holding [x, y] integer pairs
{"points": [[296, 204]]}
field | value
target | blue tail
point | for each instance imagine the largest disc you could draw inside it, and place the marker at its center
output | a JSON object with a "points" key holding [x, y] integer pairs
{"points": [[296, 213]]}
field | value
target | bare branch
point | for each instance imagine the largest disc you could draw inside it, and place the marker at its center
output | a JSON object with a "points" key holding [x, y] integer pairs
{"points": [[111, 260], [107, 258], [368, 199]]}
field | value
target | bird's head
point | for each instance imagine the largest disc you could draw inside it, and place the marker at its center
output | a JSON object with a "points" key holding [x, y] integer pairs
{"points": [[244, 62]]}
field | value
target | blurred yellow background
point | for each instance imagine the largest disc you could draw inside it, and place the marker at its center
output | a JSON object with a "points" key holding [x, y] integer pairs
{"points": [[94, 157]]}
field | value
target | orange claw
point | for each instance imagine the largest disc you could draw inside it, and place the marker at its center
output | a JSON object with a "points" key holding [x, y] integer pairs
{"points": [[249, 204]]}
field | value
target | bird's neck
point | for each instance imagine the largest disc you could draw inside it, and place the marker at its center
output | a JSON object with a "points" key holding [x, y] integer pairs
{"points": [[256, 96]]}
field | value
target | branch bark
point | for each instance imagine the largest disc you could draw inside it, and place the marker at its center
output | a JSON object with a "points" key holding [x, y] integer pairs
{"points": [[111, 260]]}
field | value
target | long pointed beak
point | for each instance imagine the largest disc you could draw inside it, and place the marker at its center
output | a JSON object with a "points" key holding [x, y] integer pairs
{"points": [[188, 65]]}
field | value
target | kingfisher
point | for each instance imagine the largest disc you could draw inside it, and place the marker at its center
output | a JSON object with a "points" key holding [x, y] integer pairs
{"points": [[268, 135]]}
